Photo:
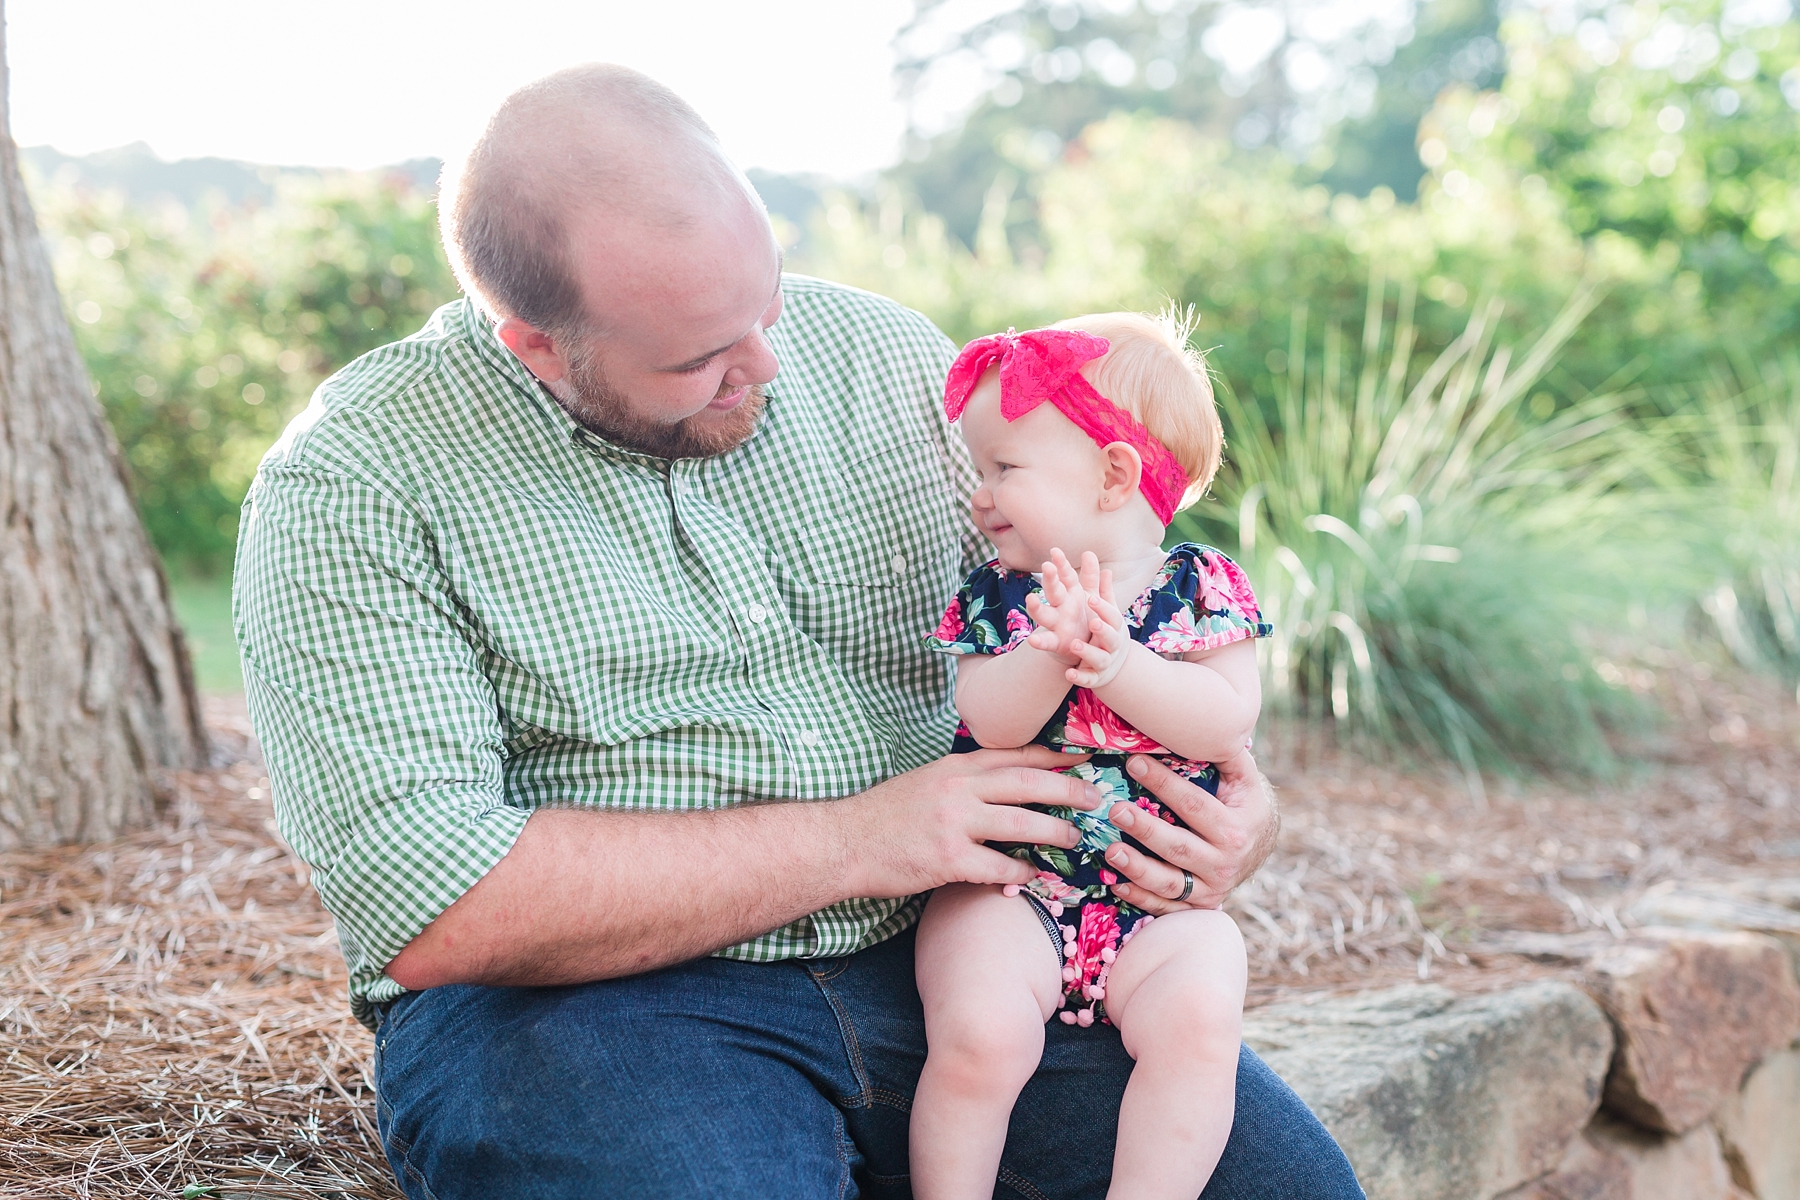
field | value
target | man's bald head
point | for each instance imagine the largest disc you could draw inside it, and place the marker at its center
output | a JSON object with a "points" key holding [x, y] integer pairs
{"points": [[591, 141]]}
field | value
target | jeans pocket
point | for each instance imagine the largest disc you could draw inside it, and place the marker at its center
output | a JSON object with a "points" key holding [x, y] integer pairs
{"points": [[390, 1016]]}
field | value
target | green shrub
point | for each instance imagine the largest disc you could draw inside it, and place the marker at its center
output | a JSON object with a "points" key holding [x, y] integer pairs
{"points": [[1151, 211], [205, 331], [1671, 126]]}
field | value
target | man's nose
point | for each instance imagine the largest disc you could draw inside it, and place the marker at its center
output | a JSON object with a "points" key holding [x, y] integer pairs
{"points": [[754, 363]]}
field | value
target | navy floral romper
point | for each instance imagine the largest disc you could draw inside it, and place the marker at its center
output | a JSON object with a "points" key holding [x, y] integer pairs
{"points": [[1199, 600]]}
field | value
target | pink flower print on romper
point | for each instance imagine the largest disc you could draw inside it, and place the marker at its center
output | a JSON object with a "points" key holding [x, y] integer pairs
{"points": [[1177, 635], [1091, 723], [951, 627], [1053, 890], [1226, 589]]}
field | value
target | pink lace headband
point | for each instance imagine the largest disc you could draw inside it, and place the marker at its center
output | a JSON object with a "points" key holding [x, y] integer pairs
{"points": [[1045, 364]]}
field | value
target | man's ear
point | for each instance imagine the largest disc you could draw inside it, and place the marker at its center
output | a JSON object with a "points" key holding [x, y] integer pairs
{"points": [[1124, 468], [540, 352]]}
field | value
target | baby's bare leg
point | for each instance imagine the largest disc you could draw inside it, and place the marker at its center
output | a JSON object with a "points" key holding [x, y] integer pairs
{"points": [[1176, 993], [987, 974]]}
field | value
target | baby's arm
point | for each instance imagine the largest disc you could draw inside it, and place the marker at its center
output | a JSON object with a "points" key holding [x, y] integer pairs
{"points": [[1005, 699], [1202, 706]]}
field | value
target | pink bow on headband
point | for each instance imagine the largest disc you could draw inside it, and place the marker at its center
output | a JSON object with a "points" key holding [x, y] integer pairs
{"points": [[1045, 364]]}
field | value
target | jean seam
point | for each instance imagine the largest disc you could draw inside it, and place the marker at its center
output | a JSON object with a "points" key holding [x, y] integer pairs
{"points": [[892, 1099], [388, 1023], [852, 1045], [1021, 1185], [417, 1176], [843, 1138], [838, 969]]}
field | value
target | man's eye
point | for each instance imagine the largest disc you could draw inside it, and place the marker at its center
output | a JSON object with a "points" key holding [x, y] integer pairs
{"points": [[697, 367]]}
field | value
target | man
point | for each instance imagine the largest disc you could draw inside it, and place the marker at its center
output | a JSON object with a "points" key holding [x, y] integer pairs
{"points": [[582, 634]]}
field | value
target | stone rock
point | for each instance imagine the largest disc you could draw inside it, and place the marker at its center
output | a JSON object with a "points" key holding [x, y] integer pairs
{"points": [[1546, 947], [1691, 1013], [1689, 1167], [1615, 1161], [1782, 891], [1770, 906], [1760, 1129], [1588, 1171], [1438, 1098]]}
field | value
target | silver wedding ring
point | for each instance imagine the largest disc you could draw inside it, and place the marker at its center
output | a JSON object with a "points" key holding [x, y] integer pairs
{"points": [[1187, 885]]}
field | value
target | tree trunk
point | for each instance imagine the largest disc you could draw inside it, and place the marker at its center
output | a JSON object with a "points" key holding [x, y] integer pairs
{"points": [[97, 697]]}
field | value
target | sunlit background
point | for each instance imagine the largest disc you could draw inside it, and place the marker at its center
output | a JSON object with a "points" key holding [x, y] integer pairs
{"points": [[1502, 296], [796, 85]]}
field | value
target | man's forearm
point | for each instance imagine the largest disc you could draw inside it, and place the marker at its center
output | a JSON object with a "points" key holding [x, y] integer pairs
{"points": [[586, 895]]}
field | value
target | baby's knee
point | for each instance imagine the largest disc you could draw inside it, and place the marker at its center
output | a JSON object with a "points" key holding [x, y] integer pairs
{"points": [[981, 1052], [1199, 972]]}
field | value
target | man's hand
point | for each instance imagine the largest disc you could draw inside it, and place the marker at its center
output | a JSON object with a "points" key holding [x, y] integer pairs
{"points": [[1227, 838], [925, 828]]}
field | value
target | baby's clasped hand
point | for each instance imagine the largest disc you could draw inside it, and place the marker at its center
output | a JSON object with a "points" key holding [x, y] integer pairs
{"points": [[1077, 620]]}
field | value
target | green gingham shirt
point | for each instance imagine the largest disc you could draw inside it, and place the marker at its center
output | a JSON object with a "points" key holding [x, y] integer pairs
{"points": [[456, 606]]}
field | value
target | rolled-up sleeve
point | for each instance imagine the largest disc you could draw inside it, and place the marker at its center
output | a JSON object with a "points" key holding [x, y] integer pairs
{"points": [[366, 686]]}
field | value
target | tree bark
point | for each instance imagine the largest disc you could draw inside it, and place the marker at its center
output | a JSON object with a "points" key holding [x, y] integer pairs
{"points": [[97, 698]]}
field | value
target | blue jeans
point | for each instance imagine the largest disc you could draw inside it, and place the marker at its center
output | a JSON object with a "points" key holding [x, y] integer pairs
{"points": [[730, 1080]]}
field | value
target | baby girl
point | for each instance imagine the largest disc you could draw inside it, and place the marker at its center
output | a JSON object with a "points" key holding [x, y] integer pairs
{"points": [[1086, 636]]}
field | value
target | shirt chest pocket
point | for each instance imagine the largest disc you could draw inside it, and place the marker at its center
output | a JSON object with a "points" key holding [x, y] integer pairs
{"points": [[889, 518], [875, 565]]}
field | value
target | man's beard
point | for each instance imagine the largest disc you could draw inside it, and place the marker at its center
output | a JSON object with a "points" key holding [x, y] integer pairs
{"points": [[586, 396]]}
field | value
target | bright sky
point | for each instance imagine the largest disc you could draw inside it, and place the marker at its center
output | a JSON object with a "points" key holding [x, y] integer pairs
{"points": [[790, 85]]}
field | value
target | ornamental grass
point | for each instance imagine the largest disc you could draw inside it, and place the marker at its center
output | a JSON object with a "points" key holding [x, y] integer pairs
{"points": [[1421, 541]]}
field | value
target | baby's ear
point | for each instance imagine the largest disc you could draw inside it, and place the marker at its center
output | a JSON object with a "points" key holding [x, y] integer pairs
{"points": [[1124, 468]]}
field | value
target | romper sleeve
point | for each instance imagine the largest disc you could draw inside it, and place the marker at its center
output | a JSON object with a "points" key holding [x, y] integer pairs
{"points": [[987, 614], [1206, 603]]}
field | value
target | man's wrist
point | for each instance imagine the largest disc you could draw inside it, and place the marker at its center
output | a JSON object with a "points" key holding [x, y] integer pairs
{"points": [[831, 836]]}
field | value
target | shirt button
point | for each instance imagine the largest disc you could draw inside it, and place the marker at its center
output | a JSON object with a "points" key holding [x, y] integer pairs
{"points": [[758, 613], [809, 737], [897, 564]]}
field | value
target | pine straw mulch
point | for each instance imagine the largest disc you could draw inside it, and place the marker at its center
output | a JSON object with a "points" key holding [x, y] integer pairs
{"points": [[172, 1014], [1383, 876]]}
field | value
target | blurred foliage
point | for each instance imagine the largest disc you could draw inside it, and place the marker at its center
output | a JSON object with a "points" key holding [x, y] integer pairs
{"points": [[1150, 210], [1723, 514], [1645, 144], [205, 330], [1454, 592], [1444, 532], [202, 604], [1337, 88], [1673, 126]]}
